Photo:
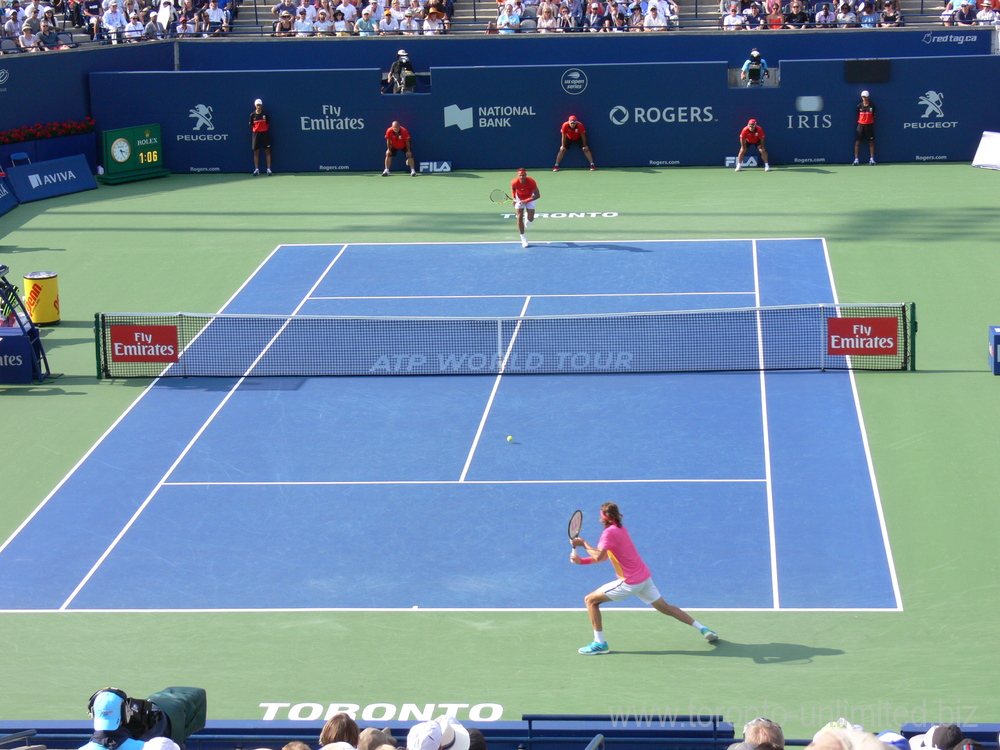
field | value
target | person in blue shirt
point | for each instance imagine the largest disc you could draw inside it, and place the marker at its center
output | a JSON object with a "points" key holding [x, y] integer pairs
{"points": [[755, 70]]}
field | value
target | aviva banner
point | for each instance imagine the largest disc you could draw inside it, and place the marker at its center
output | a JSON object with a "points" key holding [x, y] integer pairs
{"points": [[46, 179], [7, 199], [636, 115]]}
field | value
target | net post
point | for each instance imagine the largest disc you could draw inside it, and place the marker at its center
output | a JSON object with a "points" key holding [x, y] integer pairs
{"points": [[913, 336], [97, 344]]}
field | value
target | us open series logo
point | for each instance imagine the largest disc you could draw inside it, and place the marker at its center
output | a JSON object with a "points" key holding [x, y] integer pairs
{"points": [[574, 81]]}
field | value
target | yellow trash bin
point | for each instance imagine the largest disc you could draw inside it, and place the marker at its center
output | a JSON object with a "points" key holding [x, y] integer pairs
{"points": [[41, 297]]}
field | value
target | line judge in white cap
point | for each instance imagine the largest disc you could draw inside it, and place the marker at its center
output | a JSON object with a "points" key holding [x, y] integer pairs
{"points": [[260, 127], [866, 128]]}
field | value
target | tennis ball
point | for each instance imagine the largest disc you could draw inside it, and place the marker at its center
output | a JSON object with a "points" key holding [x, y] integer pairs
{"points": [[510, 438]]}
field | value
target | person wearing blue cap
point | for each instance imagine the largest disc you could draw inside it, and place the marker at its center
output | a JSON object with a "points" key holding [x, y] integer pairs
{"points": [[108, 709]]}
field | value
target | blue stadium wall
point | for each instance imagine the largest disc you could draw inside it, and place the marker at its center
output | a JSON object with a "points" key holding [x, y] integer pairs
{"points": [[670, 105], [637, 115]]}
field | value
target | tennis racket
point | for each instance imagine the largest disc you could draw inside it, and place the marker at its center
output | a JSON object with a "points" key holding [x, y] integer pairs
{"points": [[499, 196], [575, 524]]}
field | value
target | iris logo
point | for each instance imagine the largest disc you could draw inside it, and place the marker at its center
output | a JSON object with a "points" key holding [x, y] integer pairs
{"points": [[619, 115], [574, 81], [933, 102], [202, 115], [460, 118]]}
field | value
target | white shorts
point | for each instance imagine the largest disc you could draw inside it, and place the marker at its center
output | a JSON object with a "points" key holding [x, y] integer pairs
{"points": [[618, 590], [527, 204]]}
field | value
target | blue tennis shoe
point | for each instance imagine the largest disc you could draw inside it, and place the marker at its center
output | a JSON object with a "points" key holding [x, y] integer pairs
{"points": [[595, 648], [710, 635]]}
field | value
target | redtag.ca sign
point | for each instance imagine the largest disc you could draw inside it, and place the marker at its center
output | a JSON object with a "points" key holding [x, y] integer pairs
{"points": [[143, 343], [862, 335]]}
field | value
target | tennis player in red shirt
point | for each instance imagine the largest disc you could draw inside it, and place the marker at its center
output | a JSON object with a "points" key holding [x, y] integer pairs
{"points": [[752, 135], [633, 578], [525, 191], [397, 138], [573, 134]]}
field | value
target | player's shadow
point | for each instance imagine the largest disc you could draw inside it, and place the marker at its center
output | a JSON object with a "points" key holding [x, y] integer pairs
{"points": [[600, 246], [759, 653], [816, 170]]}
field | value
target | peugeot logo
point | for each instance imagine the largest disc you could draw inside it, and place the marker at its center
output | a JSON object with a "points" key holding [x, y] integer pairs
{"points": [[619, 115]]}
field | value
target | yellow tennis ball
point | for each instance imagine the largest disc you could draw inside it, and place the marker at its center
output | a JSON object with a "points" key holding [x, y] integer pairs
{"points": [[510, 438]]}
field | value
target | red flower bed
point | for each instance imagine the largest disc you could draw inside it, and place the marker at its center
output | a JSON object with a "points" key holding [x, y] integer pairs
{"points": [[50, 130]]}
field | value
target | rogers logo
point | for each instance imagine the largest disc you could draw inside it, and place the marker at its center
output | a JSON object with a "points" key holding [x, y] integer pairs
{"points": [[651, 115], [619, 115]]}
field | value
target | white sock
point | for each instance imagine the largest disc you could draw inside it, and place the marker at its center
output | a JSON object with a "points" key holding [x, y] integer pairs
{"points": [[599, 636], [697, 625], [522, 237]]}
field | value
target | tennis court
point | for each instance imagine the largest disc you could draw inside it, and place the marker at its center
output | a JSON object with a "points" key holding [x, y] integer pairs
{"points": [[742, 489]]}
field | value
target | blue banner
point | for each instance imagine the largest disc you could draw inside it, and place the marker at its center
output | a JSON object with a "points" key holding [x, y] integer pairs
{"points": [[65, 80], [47, 179], [7, 198], [636, 115], [596, 49]]}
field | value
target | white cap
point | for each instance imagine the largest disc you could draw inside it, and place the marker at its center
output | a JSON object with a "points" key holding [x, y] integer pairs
{"points": [[864, 93], [256, 102]]}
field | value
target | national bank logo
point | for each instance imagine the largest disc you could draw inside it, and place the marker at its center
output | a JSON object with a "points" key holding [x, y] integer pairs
{"points": [[933, 115], [492, 116], [4, 76], [202, 115], [574, 81], [460, 118]]}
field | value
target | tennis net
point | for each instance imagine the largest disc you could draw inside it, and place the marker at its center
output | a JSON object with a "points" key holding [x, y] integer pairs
{"points": [[858, 336]]}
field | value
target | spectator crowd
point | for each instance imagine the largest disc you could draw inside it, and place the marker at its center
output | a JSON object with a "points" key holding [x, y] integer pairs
{"points": [[38, 25], [42, 24]]}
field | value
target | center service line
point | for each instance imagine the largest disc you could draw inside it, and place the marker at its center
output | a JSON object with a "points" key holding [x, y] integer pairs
{"points": [[493, 393]]}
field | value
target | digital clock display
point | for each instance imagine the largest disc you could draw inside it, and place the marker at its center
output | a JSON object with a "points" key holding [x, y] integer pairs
{"points": [[149, 157]]}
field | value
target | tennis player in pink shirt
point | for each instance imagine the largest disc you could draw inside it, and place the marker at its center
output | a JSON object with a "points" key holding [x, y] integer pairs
{"points": [[633, 578]]}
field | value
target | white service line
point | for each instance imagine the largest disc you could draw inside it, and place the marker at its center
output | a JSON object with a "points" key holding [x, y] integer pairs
{"points": [[518, 296], [493, 393], [194, 439], [457, 481], [767, 439]]}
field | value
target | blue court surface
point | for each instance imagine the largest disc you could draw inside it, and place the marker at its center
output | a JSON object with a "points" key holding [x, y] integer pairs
{"points": [[742, 490]]}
